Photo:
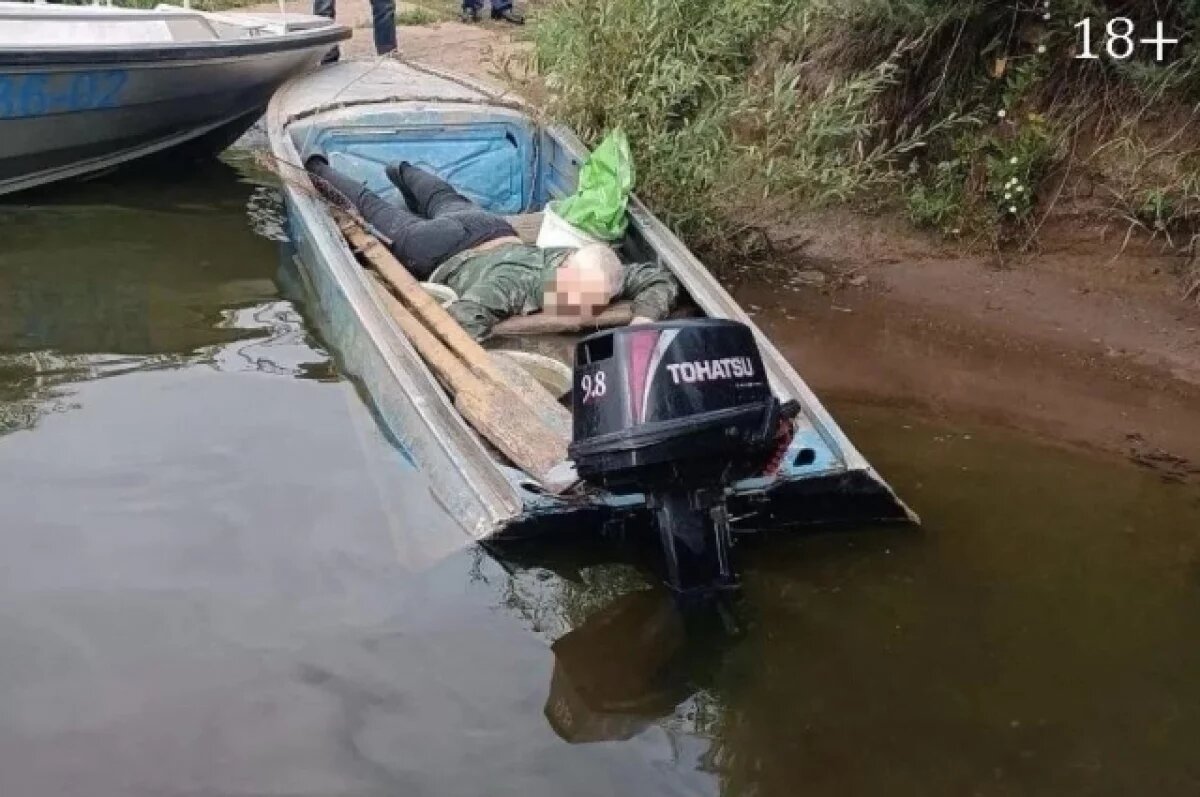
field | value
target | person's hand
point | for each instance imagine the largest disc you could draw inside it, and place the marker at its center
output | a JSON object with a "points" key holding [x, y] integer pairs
{"points": [[640, 319]]}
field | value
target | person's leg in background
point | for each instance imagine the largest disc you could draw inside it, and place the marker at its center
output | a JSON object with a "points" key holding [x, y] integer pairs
{"points": [[503, 10], [327, 8], [383, 20]]}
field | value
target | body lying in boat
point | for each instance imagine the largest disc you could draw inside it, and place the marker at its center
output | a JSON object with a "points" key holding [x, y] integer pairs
{"points": [[446, 239]]}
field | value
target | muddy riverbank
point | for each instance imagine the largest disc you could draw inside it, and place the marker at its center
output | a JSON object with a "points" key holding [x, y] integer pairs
{"points": [[1071, 345]]}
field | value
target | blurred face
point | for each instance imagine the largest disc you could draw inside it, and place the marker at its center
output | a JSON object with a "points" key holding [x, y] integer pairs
{"points": [[576, 291]]}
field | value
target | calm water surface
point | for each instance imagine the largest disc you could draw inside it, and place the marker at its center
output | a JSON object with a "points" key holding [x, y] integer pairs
{"points": [[218, 578]]}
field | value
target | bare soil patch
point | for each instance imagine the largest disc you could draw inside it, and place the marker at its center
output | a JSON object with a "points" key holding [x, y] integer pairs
{"points": [[1070, 344]]}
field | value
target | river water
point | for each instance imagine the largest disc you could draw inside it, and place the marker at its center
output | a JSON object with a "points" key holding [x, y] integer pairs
{"points": [[217, 577]]}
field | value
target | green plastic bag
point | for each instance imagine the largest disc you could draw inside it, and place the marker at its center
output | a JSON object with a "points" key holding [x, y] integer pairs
{"points": [[605, 182]]}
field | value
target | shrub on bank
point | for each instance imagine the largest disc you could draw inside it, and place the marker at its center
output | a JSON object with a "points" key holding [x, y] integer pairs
{"points": [[972, 116]]}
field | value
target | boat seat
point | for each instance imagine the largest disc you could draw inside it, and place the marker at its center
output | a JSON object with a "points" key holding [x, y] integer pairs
{"points": [[527, 226]]}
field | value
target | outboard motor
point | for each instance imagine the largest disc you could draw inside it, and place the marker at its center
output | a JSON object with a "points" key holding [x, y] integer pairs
{"points": [[677, 411]]}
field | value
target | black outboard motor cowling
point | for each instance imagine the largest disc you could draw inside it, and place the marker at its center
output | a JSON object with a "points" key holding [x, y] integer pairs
{"points": [[678, 411]]}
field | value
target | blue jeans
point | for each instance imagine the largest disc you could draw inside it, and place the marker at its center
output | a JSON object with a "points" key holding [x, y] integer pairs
{"points": [[477, 5], [383, 20], [433, 224]]}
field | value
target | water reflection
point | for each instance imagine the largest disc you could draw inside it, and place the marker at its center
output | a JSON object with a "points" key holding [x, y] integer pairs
{"points": [[629, 657], [613, 674], [35, 384], [26, 394], [227, 185], [641, 660], [143, 273]]}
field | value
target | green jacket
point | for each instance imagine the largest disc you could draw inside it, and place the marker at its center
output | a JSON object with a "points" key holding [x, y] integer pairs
{"points": [[510, 280]]}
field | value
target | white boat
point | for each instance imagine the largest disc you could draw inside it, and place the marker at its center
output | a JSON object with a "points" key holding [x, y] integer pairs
{"points": [[85, 88]]}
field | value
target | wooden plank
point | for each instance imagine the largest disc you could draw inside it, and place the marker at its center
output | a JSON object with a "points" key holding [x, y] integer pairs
{"points": [[444, 364], [424, 306], [548, 411], [493, 410], [615, 315]]}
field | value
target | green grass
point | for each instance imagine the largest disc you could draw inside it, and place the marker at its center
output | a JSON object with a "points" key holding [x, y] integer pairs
{"points": [[417, 15], [969, 116]]}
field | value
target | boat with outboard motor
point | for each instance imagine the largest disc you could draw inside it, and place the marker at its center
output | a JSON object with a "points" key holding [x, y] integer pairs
{"points": [[85, 88], [707, 428]]}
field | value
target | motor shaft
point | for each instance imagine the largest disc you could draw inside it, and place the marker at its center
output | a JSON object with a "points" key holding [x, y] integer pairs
{"points": [[694, 533]]}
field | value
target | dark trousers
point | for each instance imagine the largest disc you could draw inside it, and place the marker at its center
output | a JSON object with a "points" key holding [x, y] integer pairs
{"points": [[477, 5], [435, 224], [383, 20]]}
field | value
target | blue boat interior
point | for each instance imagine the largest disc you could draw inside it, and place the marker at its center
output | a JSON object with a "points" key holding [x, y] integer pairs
{"points": [[506, 163], [510, 165]]}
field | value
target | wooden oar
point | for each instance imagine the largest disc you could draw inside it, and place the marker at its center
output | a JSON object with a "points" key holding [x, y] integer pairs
{"points": [[424, 306], [536, 396], [492, 409]]}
